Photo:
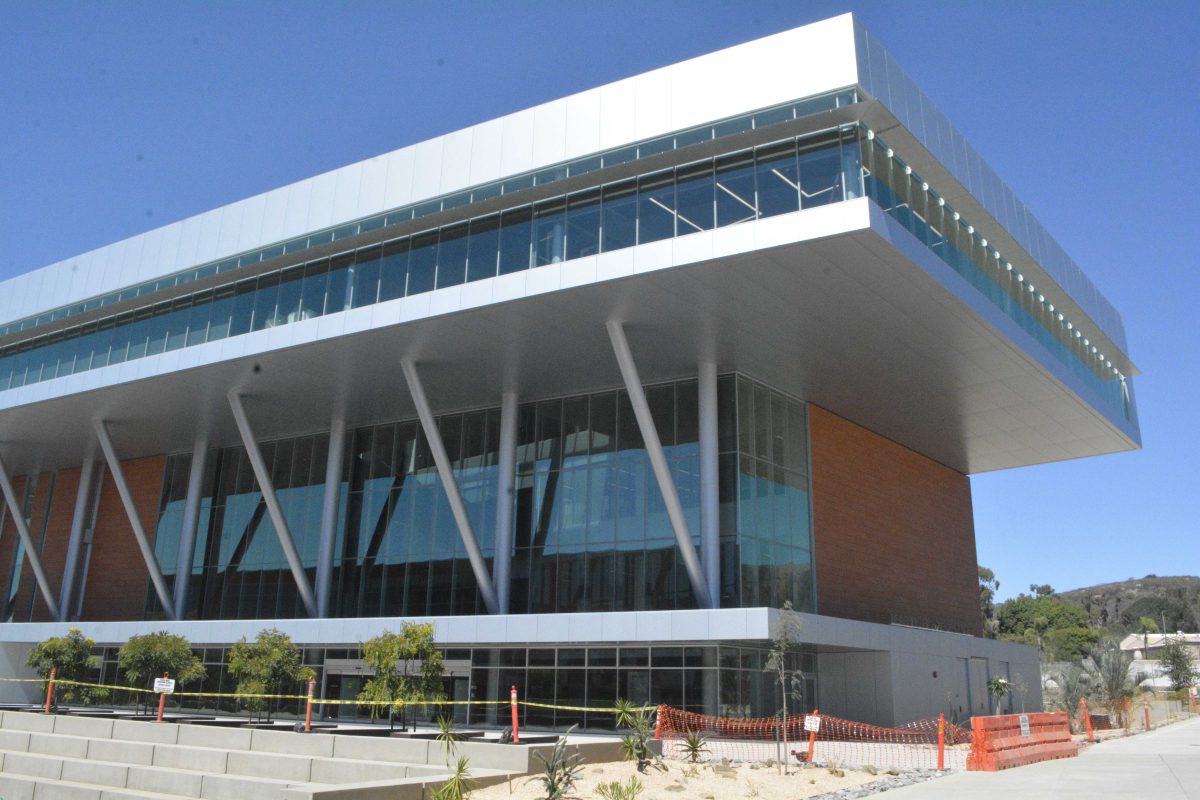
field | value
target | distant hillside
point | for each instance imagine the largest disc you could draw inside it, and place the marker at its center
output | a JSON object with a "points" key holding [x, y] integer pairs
{"points": [[1119, 606]]}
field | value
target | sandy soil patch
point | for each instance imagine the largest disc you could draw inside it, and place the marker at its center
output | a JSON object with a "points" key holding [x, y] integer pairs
{"points": [[701, 782]]}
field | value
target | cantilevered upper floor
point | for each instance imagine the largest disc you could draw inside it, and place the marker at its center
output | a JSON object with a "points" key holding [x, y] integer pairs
{"points": [[793, 207]]}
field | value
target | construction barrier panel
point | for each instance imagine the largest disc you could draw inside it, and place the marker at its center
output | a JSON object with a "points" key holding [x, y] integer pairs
{"points": [[836, 742], [1014, 740]]}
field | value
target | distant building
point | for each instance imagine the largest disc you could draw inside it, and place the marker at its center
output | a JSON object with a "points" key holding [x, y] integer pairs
{"points": [[1147, 649], [596, 386]]}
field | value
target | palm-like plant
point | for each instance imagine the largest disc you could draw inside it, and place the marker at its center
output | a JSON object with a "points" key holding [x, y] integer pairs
{"points": [[694, 744], [1109, 680], [635, 746], [458, 785], [561, 770], [447, 735]]}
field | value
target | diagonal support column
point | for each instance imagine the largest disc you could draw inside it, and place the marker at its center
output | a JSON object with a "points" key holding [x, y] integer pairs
{"points": [[87, 475], [329, 512], [31, 552], [263, 476], [450, 484], [502, 565], [658, 461], [191, 521], [135, 521]]}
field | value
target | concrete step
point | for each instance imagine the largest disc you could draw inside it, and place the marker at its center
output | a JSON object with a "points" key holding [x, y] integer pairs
{"points": [[25, 787]]}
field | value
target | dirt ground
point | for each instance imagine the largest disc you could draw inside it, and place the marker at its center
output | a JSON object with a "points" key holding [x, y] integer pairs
{"points": [[702, 782]]}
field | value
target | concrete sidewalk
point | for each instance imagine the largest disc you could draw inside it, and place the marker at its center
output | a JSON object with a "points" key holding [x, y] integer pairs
{"points": [[1163, 764]]}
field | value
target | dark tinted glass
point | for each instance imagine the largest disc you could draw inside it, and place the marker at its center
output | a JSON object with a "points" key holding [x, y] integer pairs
{"points": [[485, 242]]}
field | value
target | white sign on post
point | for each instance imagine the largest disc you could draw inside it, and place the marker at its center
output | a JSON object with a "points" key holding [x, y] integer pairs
{"points": [[812, 724], [164, 685], [1024, 720]]}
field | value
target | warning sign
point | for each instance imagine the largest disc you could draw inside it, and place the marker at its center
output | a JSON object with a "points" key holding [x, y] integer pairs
{"points": [[812, 724], [164, 685]]}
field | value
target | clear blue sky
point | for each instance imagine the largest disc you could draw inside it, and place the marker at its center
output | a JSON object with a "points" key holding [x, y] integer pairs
{"points": [[117, 117]]}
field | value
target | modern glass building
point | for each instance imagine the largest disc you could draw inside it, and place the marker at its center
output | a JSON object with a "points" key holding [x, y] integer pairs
{"points": [[598, 387]]}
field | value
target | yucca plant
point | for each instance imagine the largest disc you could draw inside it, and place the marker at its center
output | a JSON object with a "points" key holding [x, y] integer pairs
{"points": [[615, 790], [561, 770], [635, 745], [458, 785], [694, 744], [447, 735]]}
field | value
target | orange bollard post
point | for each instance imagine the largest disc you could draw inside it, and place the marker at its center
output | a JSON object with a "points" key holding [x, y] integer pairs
{"points": [[308, 709], [1087, 719], [162, 700], [1146, 708], [941, 742], [1192, 695], [658, 718], [50, 689], [812, 737], [516, 732]]}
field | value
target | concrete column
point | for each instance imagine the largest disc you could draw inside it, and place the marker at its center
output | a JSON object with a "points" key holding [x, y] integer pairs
{"points": [[710, 497], [263, 476], [434, 437], [31, 552], [329, 512], [87, 474], [135, 521], [191, 521], [658, 461], [502, 565]]}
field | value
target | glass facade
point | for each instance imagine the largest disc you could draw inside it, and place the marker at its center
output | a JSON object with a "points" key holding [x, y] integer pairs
{"points": [[726, 190], [590, 530], [756, 120], [908, 199]]}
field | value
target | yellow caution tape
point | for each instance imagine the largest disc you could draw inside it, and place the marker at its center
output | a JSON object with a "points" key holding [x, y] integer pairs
{"points": [[324, 702]]}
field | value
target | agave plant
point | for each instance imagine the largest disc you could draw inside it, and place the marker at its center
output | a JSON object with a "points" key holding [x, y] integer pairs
{"points": [[615, 790], [694, 744], [458, 785], [560, 771]]}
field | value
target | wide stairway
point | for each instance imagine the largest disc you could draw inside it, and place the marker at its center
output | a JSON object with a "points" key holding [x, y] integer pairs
{"points": [[50, 757]]}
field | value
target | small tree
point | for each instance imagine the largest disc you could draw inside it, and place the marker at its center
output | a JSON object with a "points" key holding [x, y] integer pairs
{"points": [[71, 656], [408, 669], [987, 601], [999, 688], [1070, 685], [1109, 681], [270, 664], [1175, 660], [144, 658], [785, 645]]}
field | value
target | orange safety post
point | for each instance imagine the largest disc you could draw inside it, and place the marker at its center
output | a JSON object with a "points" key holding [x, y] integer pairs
{"points": [[941, 742], [1146, 709], [1192, 695], [812, 738], [308, 708], [1087, 719], [516, 732], [658, 719], [162, 700], [50, 689]]}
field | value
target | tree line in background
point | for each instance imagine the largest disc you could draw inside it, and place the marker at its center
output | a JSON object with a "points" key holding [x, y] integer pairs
{"points": [[1082, 657]]}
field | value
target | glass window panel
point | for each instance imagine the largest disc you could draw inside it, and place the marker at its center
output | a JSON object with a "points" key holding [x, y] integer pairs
{"points": [[619, 217], [583, 224], [365, 291], [549, 233], [485, 243], [264, 302], [219, 314], [312, 293], [243, 311], [337, 295], [656, 208], [735, 190], [198, 320], [694, 196], [452, 256], [515, 238], [393, 270], [422, 263], [820, 176], [287, 306], [139, 332], [778, 185], [177, 324]]}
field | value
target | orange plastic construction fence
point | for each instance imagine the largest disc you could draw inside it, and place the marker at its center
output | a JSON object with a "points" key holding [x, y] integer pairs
{"points": [[837, 741]]}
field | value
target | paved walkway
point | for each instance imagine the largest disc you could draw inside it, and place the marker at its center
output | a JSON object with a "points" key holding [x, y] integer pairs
{"points": [[1163, 765]]}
